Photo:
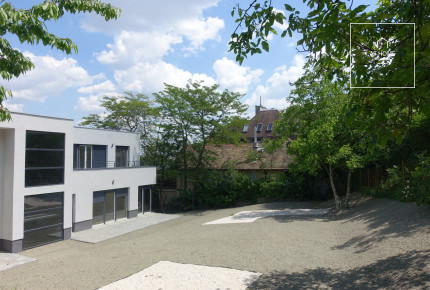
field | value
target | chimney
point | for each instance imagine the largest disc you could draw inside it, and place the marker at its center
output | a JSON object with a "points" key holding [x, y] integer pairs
{"points": [[259, 108]]}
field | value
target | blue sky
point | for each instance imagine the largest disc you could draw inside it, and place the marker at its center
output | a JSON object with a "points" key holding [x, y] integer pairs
{"points": [[152, 42]]}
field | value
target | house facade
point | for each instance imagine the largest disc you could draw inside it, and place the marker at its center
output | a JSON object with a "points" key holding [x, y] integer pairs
{"points": [[56, 178]]}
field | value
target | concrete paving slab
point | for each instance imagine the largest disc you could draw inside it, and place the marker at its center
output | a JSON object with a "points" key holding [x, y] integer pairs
{"points": [[251, 216], [121, 227], [168, 275], [8, 260]]}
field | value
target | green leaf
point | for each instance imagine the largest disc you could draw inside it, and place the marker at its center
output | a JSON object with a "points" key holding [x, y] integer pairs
{"points": [[288, 7], [265, 45]]}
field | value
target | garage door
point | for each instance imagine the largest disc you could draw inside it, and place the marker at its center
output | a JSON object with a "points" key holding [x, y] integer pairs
{"points": [[43, 219]]}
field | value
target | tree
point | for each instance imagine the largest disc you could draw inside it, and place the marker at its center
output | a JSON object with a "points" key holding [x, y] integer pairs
{"points": [[129, 112], [198, 115], [321, 139], [29, 26], [325, 34]]}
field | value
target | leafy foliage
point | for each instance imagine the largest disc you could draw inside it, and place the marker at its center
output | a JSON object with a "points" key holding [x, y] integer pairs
{"points": [[325, 33], [29, 26], [195, 116]]}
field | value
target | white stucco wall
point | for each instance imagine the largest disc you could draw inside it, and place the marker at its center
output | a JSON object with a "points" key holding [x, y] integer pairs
{"points": [[1, 178], [88, 181], [14, 153], [89, 136], [80, 182]]}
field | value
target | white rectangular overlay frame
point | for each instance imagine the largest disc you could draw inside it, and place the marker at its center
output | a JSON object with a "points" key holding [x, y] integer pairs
{"points": [[350, 55]]}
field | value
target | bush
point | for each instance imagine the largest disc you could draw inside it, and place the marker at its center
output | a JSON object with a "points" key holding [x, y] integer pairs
{"points": [[414, 187]]}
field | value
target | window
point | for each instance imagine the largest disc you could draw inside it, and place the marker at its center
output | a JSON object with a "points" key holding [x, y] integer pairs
{"points": [[269, 127], [43, 219], [121, 156], [259, 126], [245, 129], [44, 158], [89, 156]]}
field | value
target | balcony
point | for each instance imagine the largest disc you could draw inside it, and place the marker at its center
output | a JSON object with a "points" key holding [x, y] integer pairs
{"points": [[106, 165]]}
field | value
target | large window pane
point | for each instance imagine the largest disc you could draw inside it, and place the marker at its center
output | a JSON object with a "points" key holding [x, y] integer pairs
{"points": [[45, 140], [98, 207], [43, 201], [121, 207], [44, 158], [37, 158], [35, 177], [99, 156], [121, 156], [110, 206], [43, 219], [42, 236]]}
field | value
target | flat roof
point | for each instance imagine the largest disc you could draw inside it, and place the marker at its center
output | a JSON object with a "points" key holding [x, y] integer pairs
{"points": [[109, 130], [41, 116]]}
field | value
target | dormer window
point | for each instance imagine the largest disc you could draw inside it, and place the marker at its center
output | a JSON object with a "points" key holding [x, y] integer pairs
{"points": [[245, 129], [259, 126], [269, 127]]}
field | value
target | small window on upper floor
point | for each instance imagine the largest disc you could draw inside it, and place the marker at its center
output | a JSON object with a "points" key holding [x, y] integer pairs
{"points": [[259, 126], [269, 127], [245, 129]]}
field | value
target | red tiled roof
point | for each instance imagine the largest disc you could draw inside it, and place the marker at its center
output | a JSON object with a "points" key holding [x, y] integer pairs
{"points": [[242, 157], [265, 118]]}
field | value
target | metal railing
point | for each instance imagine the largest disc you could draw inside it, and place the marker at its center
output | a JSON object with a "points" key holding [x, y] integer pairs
{"points": [[106, 164]]}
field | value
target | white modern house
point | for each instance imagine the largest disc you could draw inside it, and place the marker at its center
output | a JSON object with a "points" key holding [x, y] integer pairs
{"points": [[56, 178]]}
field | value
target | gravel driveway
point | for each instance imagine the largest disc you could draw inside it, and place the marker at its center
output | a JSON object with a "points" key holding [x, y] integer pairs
{"points": [[378, 243]]}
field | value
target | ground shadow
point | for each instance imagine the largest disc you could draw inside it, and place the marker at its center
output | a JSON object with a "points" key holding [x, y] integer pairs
{"points": [[382, 219], [404, 271]]}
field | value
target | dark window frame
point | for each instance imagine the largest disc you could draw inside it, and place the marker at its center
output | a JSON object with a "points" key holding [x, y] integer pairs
{"points": [[245, 128], [45, 172], [259, 127], [269, 127]]}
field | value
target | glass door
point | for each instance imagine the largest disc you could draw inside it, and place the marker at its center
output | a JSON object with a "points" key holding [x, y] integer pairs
{"points": [[109, 206], [98, 208], [121, 206]]}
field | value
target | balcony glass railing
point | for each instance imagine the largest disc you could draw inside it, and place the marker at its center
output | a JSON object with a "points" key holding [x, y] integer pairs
{"points": [[106, 164]]}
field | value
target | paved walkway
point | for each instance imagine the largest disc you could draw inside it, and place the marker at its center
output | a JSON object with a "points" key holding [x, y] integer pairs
{"points": [[97, 234], [8, 260], [121, 227]]}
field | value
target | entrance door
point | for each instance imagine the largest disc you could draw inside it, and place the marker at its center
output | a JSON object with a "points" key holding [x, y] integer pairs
{"points": [[109, 205], [98, 207], [145, 199], [121, 207]]}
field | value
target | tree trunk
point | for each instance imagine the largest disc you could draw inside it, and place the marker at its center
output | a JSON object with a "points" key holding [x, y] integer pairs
{"points": [[348, 188], [333, 187]]}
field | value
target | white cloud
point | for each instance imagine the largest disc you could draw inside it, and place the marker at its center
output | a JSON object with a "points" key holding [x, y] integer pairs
{"points": [[129, 48], [100, 88], [149, 77], [185, 18], [49, 78], [197, 31], [149, 31], [148, 15], [234, 77], [277, 87], [13, 107], [89, 104]]}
